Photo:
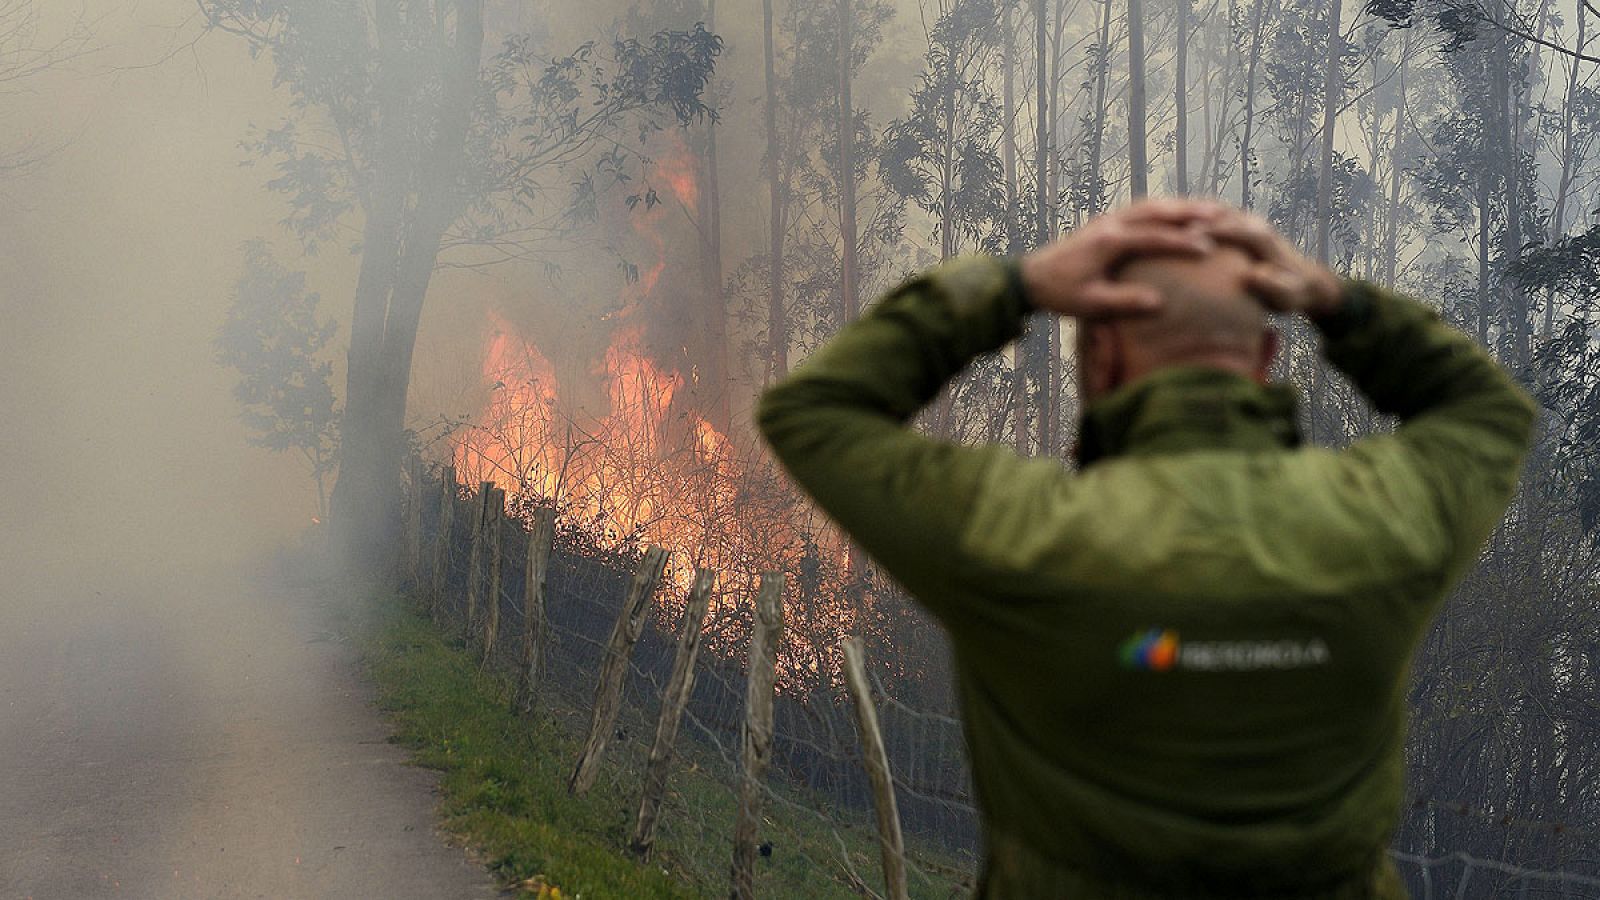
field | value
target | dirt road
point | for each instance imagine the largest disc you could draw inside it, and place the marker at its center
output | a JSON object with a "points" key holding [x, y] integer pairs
{"points": [[212, 740]]}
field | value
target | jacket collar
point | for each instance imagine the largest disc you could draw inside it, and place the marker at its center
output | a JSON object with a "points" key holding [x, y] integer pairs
{"points": [[1188, 408]]}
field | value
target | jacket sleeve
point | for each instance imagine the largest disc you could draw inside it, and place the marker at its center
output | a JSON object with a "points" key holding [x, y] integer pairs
{"points": [[839, 424], [1465, 424]]}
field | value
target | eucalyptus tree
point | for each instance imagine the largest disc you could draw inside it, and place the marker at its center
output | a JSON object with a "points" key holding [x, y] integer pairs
{"points": [[1039, 351], [1569, 130], [1138, 166], [1481, 176], [1254, 33], [777, 318], [845, 132], [1293, 62], [945, 155], [800, 275], [1180, 93], [1332, 95], [705, 347], [1504, 751], [400, 123], [1383, 103], [1501, 750], [1567, 367], [1088, 191]]}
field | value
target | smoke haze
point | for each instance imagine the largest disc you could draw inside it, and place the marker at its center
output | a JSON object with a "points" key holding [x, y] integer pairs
{"points": [[135, 511], [121, 442]]}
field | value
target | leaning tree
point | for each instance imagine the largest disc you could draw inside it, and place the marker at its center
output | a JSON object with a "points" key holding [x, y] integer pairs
{"points": [[403, 128]]}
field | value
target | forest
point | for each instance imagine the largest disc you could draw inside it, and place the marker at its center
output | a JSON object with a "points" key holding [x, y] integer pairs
{"points": [[583, 239]]}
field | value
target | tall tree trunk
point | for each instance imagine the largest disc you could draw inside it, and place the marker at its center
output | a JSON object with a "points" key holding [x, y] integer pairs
{"points": [[1217, 122], [1008, 127], [413, 202], [777, 315], [1014, 239], [1181, 95], [1057, 138], [1041, 147], [1097, 139], [359, 502], [712, 386], [1508, 120], [1485, 194], [1207, 144], [1391, 249], [849, 301], [1053, 325], [1511, 181], [942, 418], [1558, 220], [1332, 85], [1138, 164], [947, 164], [1374, 142], [1256, 36], [1036, 339]]}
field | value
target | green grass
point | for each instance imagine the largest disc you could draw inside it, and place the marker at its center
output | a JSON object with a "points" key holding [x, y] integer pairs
{"points": [[503, 779]]}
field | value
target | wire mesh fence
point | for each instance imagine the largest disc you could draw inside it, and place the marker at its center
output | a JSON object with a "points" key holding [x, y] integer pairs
{"points": [[818, 803], [1459, 876]]}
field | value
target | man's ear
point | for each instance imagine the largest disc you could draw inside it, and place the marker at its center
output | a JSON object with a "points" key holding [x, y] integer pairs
{"points": [[1104, 366], [1269, 351]]}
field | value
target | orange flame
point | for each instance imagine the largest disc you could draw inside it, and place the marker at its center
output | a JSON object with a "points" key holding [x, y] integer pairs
{"points": [[643, 467], [512, 444], [651, 465], [677, 169]]}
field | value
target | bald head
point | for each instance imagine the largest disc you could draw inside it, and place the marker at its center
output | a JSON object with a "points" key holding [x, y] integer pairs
{"points": [[1208, 319]]}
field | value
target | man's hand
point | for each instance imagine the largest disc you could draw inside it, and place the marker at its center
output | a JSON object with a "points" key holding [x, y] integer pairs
{"points": [[1284, 279], [1073, 276]]}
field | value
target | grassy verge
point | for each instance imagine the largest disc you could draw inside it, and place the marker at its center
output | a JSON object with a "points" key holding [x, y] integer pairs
{"points": [[503, 777]]}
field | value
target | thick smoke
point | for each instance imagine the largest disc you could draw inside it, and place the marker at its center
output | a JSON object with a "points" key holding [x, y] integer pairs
{"points": [[121, 446]]}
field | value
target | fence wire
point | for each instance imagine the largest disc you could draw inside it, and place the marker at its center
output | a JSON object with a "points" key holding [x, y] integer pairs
{"points": [[1459, 876], [818, 819]]}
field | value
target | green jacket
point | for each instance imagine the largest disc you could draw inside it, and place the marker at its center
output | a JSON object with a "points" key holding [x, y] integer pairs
{"points": [[1183, 668]]}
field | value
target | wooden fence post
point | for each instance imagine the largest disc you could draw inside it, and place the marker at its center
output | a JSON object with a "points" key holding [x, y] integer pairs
{"points": [[890, 841], [441, 540], [475, 558], [493, 530], [414, 566], [535, 628], [613, 669], [757, 738], [673, 700]]}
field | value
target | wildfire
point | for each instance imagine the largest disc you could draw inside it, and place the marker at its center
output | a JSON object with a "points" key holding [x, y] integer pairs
{"points": [[652, 465], [624, 468], [677, 169], [513, 444]]}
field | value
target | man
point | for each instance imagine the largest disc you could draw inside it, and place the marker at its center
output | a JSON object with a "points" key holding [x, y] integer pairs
{"points": [[1182, 668]]}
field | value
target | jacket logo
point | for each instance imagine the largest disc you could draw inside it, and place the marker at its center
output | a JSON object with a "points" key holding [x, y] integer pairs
{"points": [[1155, 650], [1159, 650]]}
